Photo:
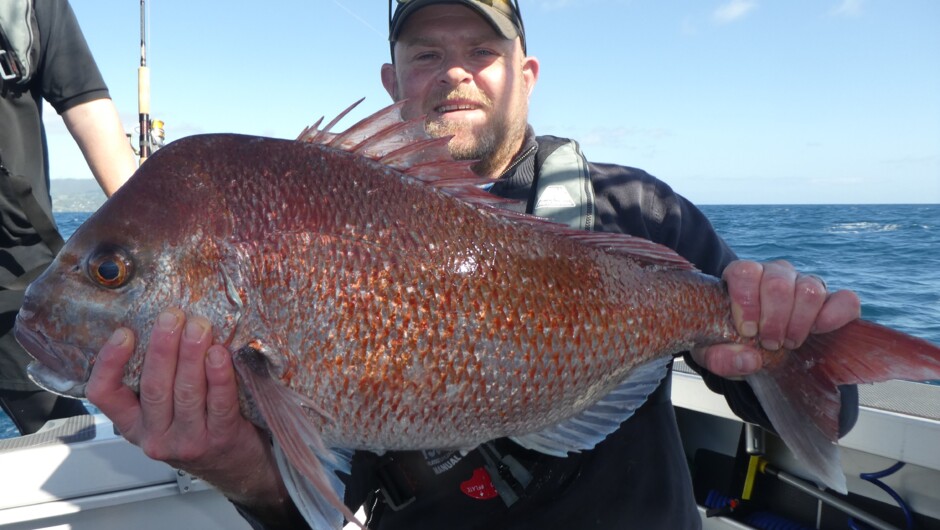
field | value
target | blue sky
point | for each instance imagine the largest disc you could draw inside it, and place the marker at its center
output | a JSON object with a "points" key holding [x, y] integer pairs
{"points": [[729, 101]]}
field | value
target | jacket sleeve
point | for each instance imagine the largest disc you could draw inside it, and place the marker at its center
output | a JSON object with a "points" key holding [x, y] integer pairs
{"points": [[632, 201]]}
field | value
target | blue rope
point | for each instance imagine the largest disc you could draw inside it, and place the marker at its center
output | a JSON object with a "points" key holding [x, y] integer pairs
{"points": [[874, 478]]}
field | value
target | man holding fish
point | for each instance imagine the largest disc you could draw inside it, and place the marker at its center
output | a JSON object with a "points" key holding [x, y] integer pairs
{"points": [[463, 64]]}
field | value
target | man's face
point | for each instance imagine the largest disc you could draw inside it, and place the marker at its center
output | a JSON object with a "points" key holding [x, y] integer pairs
{"points": [[472, 83]]}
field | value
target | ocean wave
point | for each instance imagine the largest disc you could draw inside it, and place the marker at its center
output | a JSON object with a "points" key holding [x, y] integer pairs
{"points": [[863, 227]]}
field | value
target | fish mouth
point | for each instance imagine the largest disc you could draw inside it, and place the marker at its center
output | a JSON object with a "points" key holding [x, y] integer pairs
{"points": [[58, 367]]}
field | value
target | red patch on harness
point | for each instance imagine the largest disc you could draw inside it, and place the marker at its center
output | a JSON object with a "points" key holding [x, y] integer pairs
{"points": [[480, 486]]}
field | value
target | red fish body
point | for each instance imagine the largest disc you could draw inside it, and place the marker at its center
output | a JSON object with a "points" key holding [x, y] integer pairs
{"points": [[378, 301]]}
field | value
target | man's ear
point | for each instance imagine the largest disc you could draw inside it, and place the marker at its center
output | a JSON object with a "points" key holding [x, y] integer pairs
{"points": [[390, 80], [530, 72]]}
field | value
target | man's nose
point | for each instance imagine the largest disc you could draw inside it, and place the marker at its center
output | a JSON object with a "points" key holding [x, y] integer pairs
{"points": [[454, 72]]}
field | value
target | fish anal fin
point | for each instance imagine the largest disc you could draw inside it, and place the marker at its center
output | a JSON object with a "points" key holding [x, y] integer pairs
{"points": [[594, 424], [799, 390], [307, 466]]}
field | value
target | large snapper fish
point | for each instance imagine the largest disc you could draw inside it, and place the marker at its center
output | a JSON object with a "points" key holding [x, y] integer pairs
{"points": [[377, 299]]}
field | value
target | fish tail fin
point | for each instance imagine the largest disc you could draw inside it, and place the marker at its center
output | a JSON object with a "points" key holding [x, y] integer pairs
{"points": [[800, 394], [308, 468]]}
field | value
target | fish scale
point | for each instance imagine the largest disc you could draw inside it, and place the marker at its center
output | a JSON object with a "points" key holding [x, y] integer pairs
{"points": [[377, 307], [449, 347]]}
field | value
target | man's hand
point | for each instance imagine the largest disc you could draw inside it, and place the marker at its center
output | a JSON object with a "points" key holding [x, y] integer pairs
{"points": [[779, 306], [187, 413]]}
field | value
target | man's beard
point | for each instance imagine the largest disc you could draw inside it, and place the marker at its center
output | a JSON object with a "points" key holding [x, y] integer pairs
{"points": [[488, 143]]}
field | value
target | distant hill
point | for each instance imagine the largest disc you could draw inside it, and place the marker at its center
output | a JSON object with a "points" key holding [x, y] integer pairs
{"points": [[76, 195]]}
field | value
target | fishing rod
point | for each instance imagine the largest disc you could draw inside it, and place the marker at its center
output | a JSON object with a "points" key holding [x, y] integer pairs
{"points": [[152, 133], [143, 87]]}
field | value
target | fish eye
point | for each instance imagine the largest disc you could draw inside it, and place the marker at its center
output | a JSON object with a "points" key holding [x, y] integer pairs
{"points": [[110, 267]]}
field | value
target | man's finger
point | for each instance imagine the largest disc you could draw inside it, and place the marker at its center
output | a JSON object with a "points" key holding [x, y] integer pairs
{"points": [[189, 391], [105, 388], [222, 406], [840, 308], [728, 360], [809, 296], [743, 279], [776, 302], [159, 371]]}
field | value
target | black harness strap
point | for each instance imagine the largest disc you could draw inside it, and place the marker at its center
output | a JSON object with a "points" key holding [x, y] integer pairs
{"points": [[40, 219]]}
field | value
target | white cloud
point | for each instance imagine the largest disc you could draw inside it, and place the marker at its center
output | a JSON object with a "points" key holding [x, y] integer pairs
{"points": [[733, 10], [848, 8]]}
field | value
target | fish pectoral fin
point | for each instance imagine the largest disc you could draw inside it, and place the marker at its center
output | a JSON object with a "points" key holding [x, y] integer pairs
{"points": [[590, 427], [309, 468], [317, 508]]}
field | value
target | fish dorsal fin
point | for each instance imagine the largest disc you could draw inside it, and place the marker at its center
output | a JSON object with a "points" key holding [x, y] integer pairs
{"points": [[594, 424], [384, 136], [313, 134], [404, 145], [640, 250]]}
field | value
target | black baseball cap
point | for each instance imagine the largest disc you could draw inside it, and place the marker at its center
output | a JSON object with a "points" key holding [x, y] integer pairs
{"points": [[503, 15]]}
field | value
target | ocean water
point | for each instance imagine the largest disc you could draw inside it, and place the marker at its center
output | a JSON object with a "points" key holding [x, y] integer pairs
{"points": [[889, 254]]}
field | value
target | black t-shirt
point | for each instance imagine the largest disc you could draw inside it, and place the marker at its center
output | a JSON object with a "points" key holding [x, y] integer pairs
{"points": [[66, 75]]}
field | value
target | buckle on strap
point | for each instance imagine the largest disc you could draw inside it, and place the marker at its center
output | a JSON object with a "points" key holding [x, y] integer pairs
{"points": [[509, 477], [8, 70], [397, 490]]}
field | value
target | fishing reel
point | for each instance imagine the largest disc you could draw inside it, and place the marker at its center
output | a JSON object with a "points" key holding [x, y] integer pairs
{"points": [[151, 140]]}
